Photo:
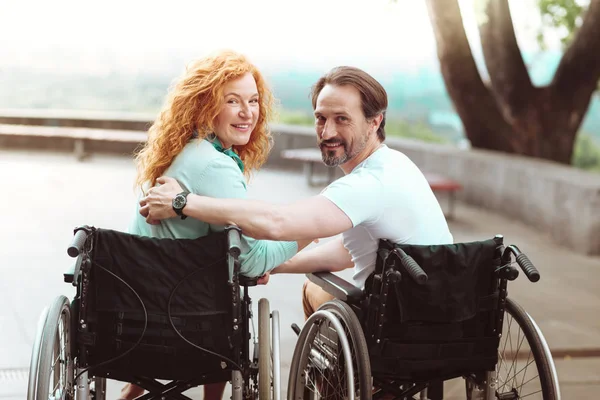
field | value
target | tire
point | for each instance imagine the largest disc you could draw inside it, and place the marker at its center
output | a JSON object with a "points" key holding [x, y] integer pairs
{"points": [[54, 375], [34, 364], [319, 365], [523, 349], [265, 389]]}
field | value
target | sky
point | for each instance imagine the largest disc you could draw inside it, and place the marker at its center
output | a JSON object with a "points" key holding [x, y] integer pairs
{"points": [[134, 36]]}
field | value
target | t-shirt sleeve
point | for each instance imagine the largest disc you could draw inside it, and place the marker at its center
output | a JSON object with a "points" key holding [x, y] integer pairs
{"points": [[223, 179], [358, 195]]}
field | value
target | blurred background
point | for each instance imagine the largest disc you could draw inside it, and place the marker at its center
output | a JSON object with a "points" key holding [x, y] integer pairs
{"points": [[122, 56], [496, 100]]}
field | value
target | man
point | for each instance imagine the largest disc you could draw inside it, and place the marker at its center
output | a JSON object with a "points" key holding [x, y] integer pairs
{"points": [[382, 195]]}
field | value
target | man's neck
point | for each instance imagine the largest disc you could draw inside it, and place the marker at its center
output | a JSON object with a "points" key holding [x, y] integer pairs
{"points": [[372, 147]]}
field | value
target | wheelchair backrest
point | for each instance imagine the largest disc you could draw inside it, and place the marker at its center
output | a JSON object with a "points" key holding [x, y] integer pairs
{"points": [[460, 279], [443, 327], [141, 297], [190, 272]]}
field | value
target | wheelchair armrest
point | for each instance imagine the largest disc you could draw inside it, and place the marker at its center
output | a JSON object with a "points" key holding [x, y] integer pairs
{"points": [[336, 286], [247, 281], [69, 274]]}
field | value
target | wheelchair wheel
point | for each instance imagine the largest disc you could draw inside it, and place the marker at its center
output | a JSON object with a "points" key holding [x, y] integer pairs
{"points": [[264, 350], [525, 367], [321, 367], [53, 376]]}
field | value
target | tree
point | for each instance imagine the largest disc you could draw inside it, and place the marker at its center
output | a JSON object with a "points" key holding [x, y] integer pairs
{"points": [[509, 113]]}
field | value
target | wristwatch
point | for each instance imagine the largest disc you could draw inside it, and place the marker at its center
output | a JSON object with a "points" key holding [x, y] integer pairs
{"points": [[179, 203]]}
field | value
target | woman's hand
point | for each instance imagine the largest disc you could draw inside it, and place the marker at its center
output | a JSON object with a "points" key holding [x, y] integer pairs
{"points": [[263, 280], [158, 203]]}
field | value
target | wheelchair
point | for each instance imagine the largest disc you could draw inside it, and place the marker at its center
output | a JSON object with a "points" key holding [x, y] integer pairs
{"points": [[164, 314], [428, 314]]}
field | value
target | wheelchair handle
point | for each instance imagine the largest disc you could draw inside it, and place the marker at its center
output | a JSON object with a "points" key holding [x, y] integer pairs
{"points": [[526, 265], [78, 241], [412, 267], [234, 240]]}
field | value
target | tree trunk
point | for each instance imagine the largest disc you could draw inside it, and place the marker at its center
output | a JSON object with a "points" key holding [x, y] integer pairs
{"points": [[512, 115], [483, 123]]}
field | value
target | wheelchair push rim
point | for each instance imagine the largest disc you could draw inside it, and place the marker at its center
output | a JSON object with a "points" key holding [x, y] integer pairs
{"points": [[330, 359]]}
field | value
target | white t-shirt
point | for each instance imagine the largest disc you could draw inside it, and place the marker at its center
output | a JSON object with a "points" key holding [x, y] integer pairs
{"points": [[386, 197]]}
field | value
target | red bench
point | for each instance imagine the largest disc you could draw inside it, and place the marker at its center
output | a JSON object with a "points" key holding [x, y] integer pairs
{"points": [[312, 156], [440, 183]]}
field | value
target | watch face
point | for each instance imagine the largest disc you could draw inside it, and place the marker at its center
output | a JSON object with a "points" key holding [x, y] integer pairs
{"points": [[179, 202]]}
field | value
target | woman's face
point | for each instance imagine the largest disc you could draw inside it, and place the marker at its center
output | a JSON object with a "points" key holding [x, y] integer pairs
{"points": [[238, 116]]}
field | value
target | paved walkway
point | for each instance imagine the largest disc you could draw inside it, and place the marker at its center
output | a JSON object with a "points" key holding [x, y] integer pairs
{"points": [[46, 194]]}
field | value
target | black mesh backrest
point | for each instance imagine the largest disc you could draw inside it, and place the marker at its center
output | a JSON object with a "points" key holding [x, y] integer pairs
{"points": [[193, 273], [153, 267], [439, 330], [459, 276]]}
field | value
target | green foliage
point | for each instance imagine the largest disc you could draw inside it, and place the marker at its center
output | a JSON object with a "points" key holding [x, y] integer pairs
{"points": [[563, 16], [418, 131], [586, 154], [295, 118]]}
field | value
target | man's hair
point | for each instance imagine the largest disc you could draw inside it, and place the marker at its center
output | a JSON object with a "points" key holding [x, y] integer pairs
{"points": [[373, 96], [192, 104]]}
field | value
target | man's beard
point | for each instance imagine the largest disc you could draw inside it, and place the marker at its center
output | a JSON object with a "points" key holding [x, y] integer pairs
{"points": [[329, 157]]}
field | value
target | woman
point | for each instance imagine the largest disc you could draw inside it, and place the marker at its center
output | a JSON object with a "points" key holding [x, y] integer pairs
{"points": [[211, 134]]}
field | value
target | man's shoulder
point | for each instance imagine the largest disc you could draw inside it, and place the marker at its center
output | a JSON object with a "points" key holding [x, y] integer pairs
{"points": [[387, 155]]}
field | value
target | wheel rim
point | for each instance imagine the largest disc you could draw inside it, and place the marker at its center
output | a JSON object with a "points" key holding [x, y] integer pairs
{"points": [[516, 371], [323, 366], [61, 368]]}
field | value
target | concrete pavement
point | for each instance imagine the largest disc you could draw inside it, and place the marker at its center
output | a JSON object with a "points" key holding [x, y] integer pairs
{"points": [[46, 194]]}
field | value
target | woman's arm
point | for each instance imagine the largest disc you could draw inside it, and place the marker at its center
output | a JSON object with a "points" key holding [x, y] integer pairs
{"points": [[331, 256]]}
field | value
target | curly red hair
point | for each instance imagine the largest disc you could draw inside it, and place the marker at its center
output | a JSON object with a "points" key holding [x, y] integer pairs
{"points": [[192, 104]]}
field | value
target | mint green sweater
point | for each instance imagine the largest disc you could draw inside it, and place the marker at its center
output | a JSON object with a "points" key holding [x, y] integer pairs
{"points": [[203, 170]]}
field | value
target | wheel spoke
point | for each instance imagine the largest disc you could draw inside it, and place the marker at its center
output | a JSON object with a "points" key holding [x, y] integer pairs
{"points": [[522, 368], [530, 394], [322, 364]]}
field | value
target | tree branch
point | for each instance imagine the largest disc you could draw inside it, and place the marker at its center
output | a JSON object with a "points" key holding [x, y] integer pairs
{"points": [[508, 74], [578, 72]]}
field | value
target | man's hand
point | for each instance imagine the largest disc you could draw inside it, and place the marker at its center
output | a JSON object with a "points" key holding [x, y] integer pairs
{"points": [[158, 203]]}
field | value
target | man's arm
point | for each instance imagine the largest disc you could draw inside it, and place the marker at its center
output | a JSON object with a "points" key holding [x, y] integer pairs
{"points": [[331, 256], [314, 217]]}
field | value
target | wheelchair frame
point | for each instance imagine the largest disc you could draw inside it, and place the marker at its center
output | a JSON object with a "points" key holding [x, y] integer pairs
{"points": [[363, 319], [63, 334]]}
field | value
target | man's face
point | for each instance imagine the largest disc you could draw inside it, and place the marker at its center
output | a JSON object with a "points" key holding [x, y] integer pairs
{"points": [[342, 129]]}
